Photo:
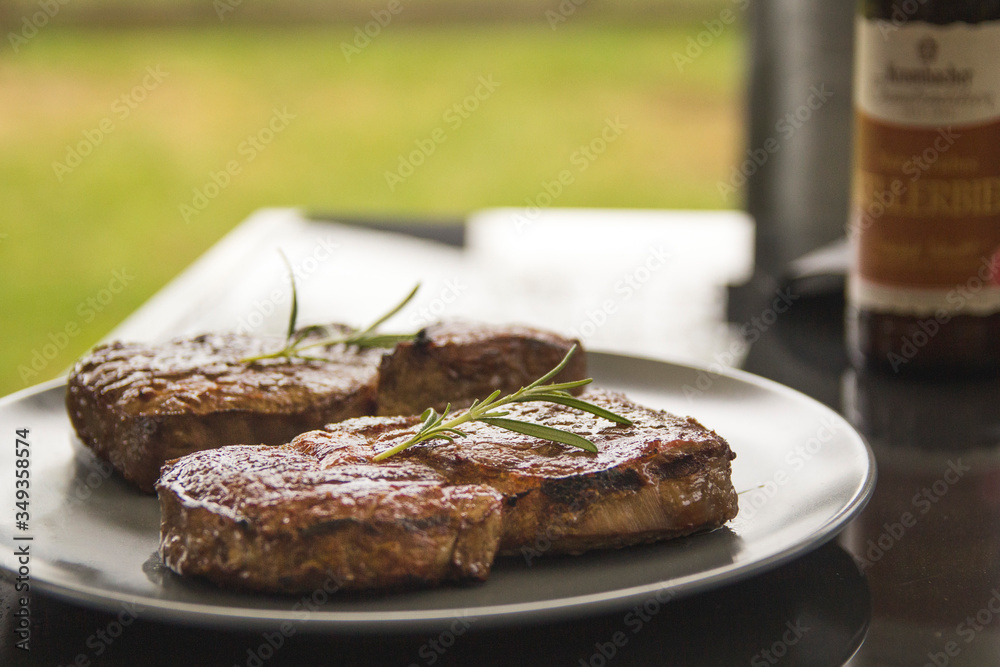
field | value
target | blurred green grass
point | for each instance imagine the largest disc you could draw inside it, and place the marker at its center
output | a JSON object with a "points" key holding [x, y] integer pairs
{"points": [[120, 208]]}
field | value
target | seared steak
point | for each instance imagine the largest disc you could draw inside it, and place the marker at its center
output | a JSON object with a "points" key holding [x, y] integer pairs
{"points": [[458, 362], [280, 519], [284, 518], [663, 476], [138, 405]]}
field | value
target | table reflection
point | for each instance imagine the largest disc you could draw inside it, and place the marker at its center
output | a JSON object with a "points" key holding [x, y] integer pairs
{"points": [[929, 540]]}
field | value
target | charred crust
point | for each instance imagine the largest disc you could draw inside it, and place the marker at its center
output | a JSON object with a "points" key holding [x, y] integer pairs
{"points": [[422, 524], [682, 466], [511, 501], [570, 490], [336, 525]]}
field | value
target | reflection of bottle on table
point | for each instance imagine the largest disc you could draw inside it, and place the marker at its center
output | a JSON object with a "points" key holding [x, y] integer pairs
{"points": [[929, 540], [924, 295]]}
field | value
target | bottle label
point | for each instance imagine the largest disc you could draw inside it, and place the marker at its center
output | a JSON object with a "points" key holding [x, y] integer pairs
{"points": [[926, 194]]}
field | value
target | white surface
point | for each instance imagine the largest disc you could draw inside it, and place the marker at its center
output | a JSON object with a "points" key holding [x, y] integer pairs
{"points": [[631, 281]]}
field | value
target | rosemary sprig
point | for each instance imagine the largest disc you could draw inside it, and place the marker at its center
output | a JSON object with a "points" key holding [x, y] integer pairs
{"points": [[486, 411], [367, 337]]}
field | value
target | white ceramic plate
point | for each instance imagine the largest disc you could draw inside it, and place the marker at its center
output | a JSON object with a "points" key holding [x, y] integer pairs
{"points": [[802, 471]]}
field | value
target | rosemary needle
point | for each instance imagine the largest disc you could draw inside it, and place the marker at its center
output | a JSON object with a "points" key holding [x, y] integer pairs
{"points": [[367, 337], [487, 411]]}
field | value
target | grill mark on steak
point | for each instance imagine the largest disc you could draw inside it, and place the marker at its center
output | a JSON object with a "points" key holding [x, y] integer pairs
{"points": [[439, 511], [579, 488], [679, 467], [335, 525], [511, 500], [138, 405]]}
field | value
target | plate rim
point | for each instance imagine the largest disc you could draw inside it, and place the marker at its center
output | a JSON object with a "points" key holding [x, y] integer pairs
{"points": [[246, 618]]}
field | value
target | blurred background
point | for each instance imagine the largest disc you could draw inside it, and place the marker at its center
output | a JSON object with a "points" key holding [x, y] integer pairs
{"points": [[134, 135]]}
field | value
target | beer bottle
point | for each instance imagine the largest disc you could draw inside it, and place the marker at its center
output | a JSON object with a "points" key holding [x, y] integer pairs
{"points": [[923, 294]]}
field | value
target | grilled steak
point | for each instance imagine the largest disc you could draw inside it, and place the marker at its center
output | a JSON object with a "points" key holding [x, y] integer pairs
{"points": [[457, 361], [284, 518], [664, 476], [280, 519], [139, 405]]}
